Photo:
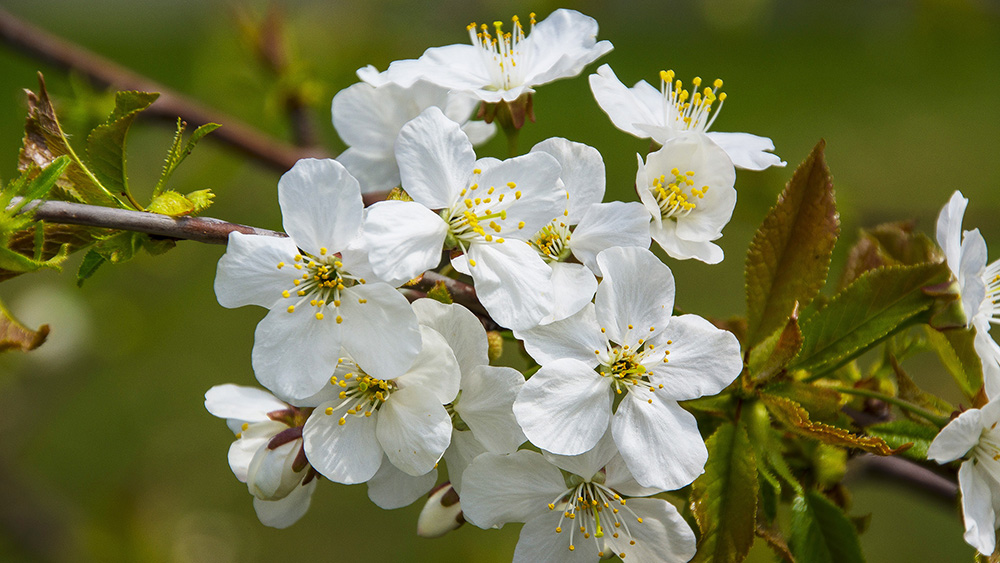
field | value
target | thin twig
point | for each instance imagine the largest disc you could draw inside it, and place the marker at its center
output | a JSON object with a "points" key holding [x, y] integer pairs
{"points": [[905, 472], [171, 105]]}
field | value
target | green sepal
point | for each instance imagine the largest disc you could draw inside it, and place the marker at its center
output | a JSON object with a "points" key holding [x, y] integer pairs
{"points": [[821, 532]]}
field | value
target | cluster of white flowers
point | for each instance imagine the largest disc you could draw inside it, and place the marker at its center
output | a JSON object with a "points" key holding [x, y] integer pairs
{"points": [[370, 388]]}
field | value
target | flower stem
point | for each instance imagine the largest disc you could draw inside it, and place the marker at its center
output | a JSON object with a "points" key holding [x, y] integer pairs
{"points": [[938, 420]]}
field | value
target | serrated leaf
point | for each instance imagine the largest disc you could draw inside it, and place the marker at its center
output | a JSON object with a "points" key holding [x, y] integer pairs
{"points": [[201, 199], [770, 357], [178, 151], [821, 532], [876, 305], [898, 433], [41, 184], [796, 419], [772, 536], [106, 143], [956, 351], [889, 244], [57, 237], [790, 253], [44, 141], [91, 262], [911, 393], [171, 203], [822, 403], [725, 496], [440, 293], [16, 336]]}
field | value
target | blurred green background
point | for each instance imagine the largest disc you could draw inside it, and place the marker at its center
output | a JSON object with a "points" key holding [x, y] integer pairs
{"points": [[107, 452]]}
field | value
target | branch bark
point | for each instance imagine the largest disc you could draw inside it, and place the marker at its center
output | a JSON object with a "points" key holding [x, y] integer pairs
{"points": [[104, 73]]}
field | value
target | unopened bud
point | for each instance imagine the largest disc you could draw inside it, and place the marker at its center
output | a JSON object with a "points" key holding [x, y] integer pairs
{"points": [[495, 345], [441, 514], [272, 474]]}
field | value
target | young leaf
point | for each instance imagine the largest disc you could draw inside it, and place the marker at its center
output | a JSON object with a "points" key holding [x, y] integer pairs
{"points": [[106, 143], [898, 433], [790, 253], [40, 186], [796, 419], [171, 203], [770, 357], [822, 533], [15, 336], [91, 262], [956, 351], [725, 496], [44, 141], [911, 393], [177, 154], [889, 244], [876, 305]]}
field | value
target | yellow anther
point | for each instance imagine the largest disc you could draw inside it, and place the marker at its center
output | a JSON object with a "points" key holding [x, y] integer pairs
{"points": [[472, 263], [340, 319], [336, 302], [517, 194], [291, 308], [322, 250], [362, 301], [342, 421], [476, 170], [558, 529], [298, 266], [329, 411], [571, 548], [489, 238], [551, 506], [298, 257], [285, 293], [245, 426], [511, 185], [319, 316], [281, 265], [296, 282]]}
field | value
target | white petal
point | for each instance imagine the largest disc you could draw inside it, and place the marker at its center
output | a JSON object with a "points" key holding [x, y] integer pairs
{"points": [[250, 441], [576, 287], [606, 225], [435, 159], [460, 328], [348, 453], [237, 402], [957, 438], [463, 449], [989, 355], [540, 542], [457, 67], [659, 441], [320, 205], [283, 513], [384, 322], [619, 478], [747, 151], [294, 354], [391, 488], [627, 106], [582, 174], [516, 487], [435, 369], [663, 535], [703, 359], [512, 283], [564, 408], [248, 272], [486, 405], [414, 429], [374, 171], [971, 268], [949, 229], [977, 508], [479, 132], [665, 234], [560, 46], [404, 240], [270, 475], [370, 117], [636, 296], [535, 176], [589, 463], [578, 337]]}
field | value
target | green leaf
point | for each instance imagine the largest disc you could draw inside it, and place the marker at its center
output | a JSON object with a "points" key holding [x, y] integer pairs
{"points": [[725, 496], [91, 262], [822, 403], [889, 244], [900, 432], [879, 303], [956, 351], [171, 203], [796, 419], [106, 143], [911, 393], [821, 532], [44, 141], [179, 152], [770, 357], [16, 336], [790, 253], [40, 186]]}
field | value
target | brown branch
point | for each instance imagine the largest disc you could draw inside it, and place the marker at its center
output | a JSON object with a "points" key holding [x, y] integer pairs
{"points": [[905, 472], [171, 105]]}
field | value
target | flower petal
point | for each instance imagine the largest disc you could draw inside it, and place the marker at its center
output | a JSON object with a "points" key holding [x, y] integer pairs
{"points": [[977, 508], [348, 453], [957, 438], [248, 273], [435, 369], [463, 449], [294, 354], [414, 429], [249, 442], [539, 541], [560, 46], [377, 319], [582, 174], [619, 478], [374, 171], [512, 283], [435, 159], [283, 513], [577, 286], [564, 408], [663, 535], [486, 405], [390, 488], [516, 487], [532, 194], [404, 240], [627, 107], [606, 225], [589, 463], [665, 234], [460, 328], [456, 67], [577, 337], [703, 359], [659, 441], [636, 297], [949, 229], [747, 151], [237, 402], [320, 205]]}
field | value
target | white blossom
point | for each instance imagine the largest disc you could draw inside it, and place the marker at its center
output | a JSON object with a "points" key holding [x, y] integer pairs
{"points": [[672, 111]]}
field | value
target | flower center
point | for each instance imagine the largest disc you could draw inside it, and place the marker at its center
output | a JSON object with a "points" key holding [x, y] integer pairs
{"points": [[479, 215], [319, 281], [685, 112], [627, 367], [585, 505], [501, 52], [552, 242], [675, 195], [992, 279], [360, 392]]}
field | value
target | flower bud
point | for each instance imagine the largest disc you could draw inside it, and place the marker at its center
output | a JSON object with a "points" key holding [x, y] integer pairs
{"points": [[271, 475], [441, 514], [495, 345]]}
